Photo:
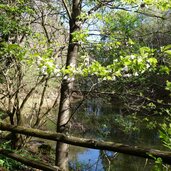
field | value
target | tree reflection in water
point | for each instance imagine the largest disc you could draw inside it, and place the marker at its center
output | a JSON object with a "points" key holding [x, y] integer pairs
{"points": [[104, 122]]}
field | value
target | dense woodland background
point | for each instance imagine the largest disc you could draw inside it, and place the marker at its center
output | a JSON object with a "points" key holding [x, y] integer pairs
{"points": [[55, 55]]}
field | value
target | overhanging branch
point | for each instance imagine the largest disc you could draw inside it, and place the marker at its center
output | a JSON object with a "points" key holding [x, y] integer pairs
{"points": [[89, 143]]}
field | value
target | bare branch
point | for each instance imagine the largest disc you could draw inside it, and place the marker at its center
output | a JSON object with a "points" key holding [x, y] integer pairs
{"points": [[30, 93], [67, 9]]}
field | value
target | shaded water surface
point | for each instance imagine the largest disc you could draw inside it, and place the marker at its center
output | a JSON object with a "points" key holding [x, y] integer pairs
{"points": [[106, 122]]}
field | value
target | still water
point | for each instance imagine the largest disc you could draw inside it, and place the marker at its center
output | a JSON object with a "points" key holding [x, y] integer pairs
{"points": [[106, 122]]}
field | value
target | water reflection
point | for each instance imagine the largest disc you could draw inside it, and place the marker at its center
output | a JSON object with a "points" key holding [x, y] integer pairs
{"points": [[97, 160], [89, 160], [106, 122]]}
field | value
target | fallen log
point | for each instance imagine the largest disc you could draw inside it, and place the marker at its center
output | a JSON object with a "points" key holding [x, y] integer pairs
{"points": [[90, 143], [28, 162]]}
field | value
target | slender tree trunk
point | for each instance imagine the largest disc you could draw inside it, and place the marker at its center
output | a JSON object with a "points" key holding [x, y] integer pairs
{"points": [[16, 141], [67, 87]]}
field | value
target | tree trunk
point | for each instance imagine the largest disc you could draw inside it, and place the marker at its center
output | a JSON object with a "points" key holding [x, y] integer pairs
{"points": [[16, 140], [67, 87], [90, 143]]}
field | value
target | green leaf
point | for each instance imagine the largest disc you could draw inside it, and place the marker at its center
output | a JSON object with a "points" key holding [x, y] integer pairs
{"points": [[131, 42], [164, 69], [168, 52], [153, 61], [168, 85], [1, 162], [168, 47]]}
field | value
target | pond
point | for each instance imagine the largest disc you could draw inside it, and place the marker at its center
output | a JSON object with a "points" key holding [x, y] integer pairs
{"points": [[106, 122], [103, 121]]}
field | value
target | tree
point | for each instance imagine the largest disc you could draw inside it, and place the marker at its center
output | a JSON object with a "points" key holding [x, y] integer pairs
{"points": [[28, 42], [67, 86], [77, 18], [32, 37]]}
